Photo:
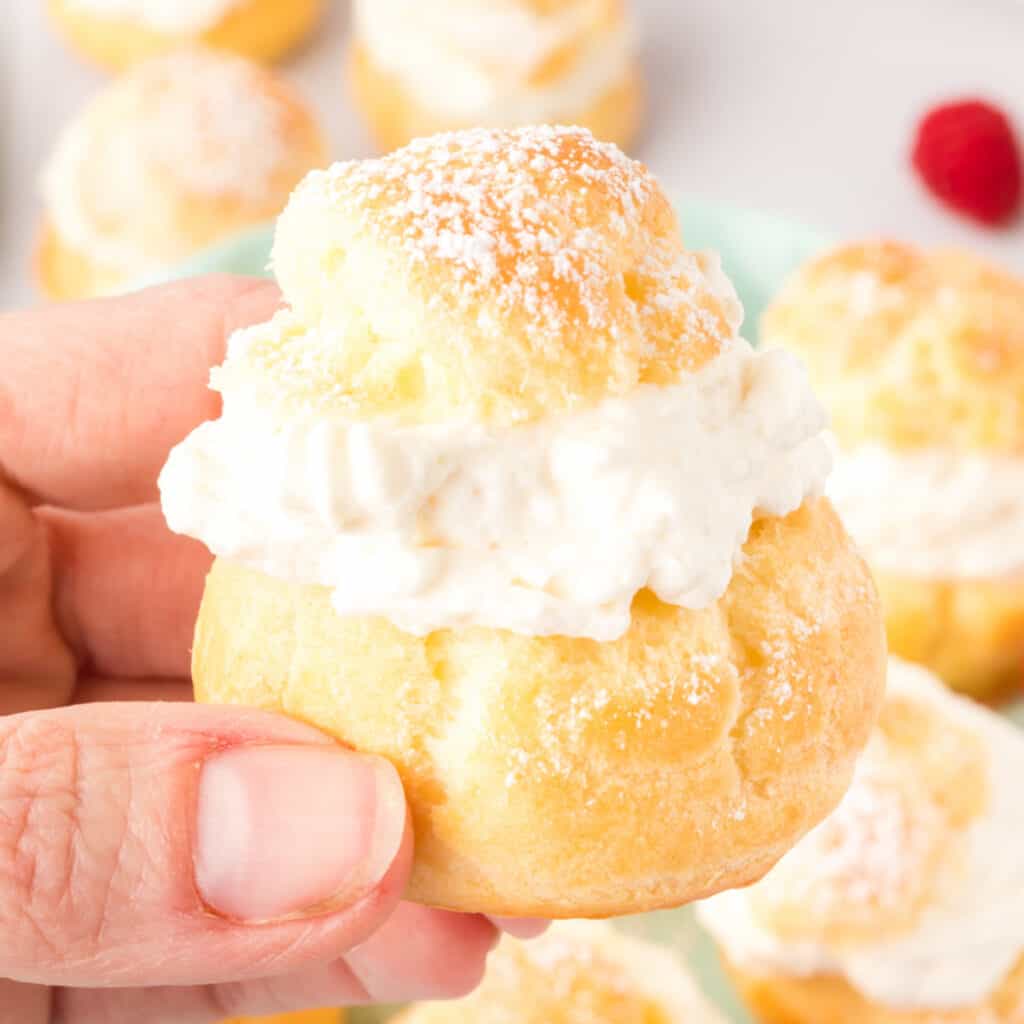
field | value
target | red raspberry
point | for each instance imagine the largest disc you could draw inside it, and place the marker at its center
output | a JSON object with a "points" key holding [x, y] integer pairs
{"points": [[967, 154]]}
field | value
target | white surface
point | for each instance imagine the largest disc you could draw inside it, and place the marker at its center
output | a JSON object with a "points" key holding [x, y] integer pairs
{"points": [[802, 106]]}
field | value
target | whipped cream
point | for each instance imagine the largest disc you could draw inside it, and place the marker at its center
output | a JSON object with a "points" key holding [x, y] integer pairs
{"points": [[933, 513], [173, 17], [475, 65], [966, 940], [547, 528], [192, 122]]}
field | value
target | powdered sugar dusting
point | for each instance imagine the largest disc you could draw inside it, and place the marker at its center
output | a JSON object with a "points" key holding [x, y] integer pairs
{"points": [[540, 219]]}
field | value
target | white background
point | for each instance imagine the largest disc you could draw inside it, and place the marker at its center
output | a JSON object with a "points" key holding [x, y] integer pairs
{"points": [[804, 107]]}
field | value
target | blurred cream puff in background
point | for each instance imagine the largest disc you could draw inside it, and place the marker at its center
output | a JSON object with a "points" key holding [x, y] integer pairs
{"points": [[118, 33], [424, 66], [183, 151], [919, 356], [580, 972], [906, 906]]}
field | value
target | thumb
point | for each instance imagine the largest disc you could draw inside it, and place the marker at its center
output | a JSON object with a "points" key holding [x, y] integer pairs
{"points": [[166, 844]]}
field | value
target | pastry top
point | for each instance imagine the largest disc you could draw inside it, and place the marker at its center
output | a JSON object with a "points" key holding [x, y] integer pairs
{"points": [[498, 276], [914, 887], [174, 17], [180, 150], [909, 348], [580, 972]]}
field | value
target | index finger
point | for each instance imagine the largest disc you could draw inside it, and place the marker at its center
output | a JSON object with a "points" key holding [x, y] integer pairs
{"points": [[93, 395]]}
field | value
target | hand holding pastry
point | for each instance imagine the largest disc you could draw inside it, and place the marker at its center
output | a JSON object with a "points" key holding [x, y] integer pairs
{"points": [[501, 495], [164, 860]]}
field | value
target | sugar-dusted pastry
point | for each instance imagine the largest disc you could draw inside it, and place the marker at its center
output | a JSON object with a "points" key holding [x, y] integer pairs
{"points": [[119, 33], [425, 66], [183, 151], [502, 496], [906, 906], [920, 358], [580, 972], [304, 1017]]}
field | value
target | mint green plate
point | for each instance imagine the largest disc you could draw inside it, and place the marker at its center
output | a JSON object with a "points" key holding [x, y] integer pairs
{"points": [[758, 251]]}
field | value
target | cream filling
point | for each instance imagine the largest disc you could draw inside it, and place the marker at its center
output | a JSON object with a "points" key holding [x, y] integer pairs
{"points": [[173, 17], [546, 528], [933, 513], [475, 67], [971, 935]]}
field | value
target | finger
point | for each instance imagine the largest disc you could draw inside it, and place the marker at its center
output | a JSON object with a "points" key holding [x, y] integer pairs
{"points": [[168, 844], [109, 691], [23, 1004], [419, 954], [94, 394], [126, 590], [36, 667]]}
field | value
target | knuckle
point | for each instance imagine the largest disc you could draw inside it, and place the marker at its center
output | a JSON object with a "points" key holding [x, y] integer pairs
{"points": [[54, 886]]}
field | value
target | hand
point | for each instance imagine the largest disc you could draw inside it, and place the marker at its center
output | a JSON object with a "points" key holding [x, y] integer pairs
{"points": [[167, 861]]}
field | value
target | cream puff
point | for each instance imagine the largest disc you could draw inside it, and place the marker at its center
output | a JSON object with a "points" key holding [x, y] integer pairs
{"points": [[580, 972], [183, 151], [502, 495], [920, 358], [906, 906], [119, 33], [437, 65]]}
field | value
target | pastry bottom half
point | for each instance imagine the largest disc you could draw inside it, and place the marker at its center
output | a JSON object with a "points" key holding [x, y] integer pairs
{"points": [[561, 777]]}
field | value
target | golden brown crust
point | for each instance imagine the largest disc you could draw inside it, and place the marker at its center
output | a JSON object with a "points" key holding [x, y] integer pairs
{"points": [[64, 273], [969, 632], [774, 999], [909, 347], [264, 30], [500, 276], [560, 777], [396, 118]]}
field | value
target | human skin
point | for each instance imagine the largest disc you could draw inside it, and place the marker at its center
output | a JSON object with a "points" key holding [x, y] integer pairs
{"points": [[161, 860]]}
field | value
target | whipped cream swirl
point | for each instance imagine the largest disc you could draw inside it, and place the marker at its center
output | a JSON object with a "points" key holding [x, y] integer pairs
{"points": [[173, 17], [544, 528]]}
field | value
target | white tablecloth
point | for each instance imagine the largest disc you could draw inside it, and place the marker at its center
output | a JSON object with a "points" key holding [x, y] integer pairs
{"points": [[805, 107]]}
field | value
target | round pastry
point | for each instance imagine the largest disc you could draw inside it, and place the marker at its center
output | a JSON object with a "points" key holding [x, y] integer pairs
{"points": [[920, 357], [119, 33], [580, 972], [502, 496], [906, 906], [439, 65], [303, 1017], [183, 151]]}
